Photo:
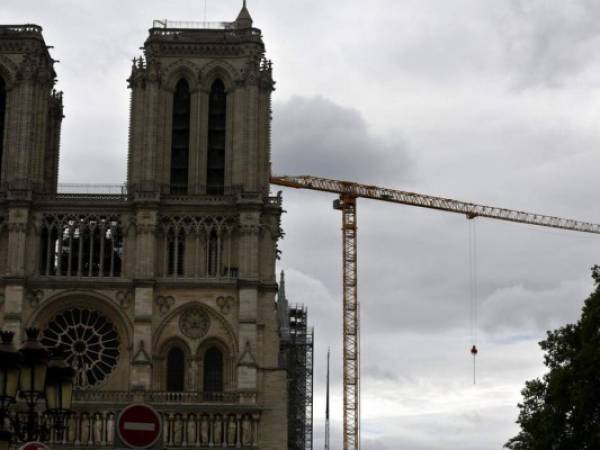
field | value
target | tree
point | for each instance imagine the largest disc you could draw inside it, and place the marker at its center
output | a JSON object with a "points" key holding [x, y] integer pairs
{"points": [[561, 411]]}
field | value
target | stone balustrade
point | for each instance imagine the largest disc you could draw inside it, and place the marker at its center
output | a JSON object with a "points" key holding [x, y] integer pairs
{"points": [[95, 428], [191, 420], [162, 398]]}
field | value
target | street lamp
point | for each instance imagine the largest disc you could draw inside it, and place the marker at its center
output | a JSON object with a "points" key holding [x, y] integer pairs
{"points": [[31, 374], [32, 379], [9, 370], [34, 364], [59, 390], [9, 381]]}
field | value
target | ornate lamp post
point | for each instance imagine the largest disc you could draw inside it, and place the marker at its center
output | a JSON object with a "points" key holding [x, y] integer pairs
{"points": [[59, 391], [29, 374], [32, 380], [9, 381]]}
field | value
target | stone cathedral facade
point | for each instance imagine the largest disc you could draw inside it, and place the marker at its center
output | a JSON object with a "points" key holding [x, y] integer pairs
{"points": [[163, 293]]}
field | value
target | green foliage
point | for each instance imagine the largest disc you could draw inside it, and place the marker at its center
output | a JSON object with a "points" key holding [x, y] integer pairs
{"points": [[561, 411]]}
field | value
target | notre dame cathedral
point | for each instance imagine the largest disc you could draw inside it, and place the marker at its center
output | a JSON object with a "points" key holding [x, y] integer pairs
{"points": [[165, 292]]}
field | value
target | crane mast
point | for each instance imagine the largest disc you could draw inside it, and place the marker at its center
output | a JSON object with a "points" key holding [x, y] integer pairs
{"points": [[348, 193], [351, 326]]}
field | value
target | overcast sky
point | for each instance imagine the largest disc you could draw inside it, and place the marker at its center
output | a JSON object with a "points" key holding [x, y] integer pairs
{"points": [[493, 101]]}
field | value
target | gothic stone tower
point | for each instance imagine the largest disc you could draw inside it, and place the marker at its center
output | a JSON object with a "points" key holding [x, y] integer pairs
{"points": [[164, 294], [30, 120]]}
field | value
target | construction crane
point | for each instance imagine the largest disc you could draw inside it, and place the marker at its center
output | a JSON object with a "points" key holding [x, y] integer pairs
{"points": [[348, 193]]}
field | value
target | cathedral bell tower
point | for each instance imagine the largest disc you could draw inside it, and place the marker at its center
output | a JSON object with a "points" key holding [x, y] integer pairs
{"points": [[30, 113], [200, 111], [205, 228]]}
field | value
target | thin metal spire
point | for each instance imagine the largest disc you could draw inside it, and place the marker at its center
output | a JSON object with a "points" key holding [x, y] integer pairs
{"points": [[327, 407]]}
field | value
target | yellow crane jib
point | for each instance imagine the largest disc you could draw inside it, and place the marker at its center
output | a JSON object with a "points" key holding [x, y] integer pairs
{"points": [[348, 192]]}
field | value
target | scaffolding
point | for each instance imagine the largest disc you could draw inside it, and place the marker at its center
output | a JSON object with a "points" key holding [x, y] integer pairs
{"points": [[297, 358]]}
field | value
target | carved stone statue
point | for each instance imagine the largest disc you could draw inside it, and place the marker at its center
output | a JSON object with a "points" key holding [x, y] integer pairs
{"points": [[110, 429], [72, 429], [231, 430], [85, 436], [177, 430], [204, 430], [191, 430], [98, 428], [246, 431], [218, 431]]}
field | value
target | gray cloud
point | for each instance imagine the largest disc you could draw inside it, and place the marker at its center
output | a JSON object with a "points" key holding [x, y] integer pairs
{"points": [[319, 137], [551, 43]]}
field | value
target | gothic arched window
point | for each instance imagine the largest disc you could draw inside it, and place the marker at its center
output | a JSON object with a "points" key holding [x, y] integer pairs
{"points": [[176, 256], [180, 138], [213, 370], [215, 164], [213, 254], [82, 246], [2, 116], [175, 370]]}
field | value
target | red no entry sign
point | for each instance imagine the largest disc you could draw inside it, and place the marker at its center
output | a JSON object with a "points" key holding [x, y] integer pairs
{"points": [[139, 426], [34, 446]]}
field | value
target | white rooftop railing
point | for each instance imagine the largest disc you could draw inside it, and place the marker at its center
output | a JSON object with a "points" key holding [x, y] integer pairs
{"points": [[164, 23], [86, 188]]}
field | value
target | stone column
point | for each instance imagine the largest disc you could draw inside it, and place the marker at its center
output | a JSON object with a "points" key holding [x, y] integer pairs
{"points": [[15, 292], [237, 126], [238, 429], [256, 429], [252, 135], [136, 124], [264, 140], [141, 374], [196, 121], [151, 126], [144, 298]]}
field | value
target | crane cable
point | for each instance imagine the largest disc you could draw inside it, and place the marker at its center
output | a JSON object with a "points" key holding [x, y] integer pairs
{"points": [[473, 292]]}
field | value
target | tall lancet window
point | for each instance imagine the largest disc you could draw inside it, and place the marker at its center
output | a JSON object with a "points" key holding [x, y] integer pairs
{"points": [[213, 370], [180, 138], [2, 116], [175, 370], [215, 167]]}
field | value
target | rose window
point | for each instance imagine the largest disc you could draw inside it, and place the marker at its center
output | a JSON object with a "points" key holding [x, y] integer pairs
{"points": [[90, 343]]}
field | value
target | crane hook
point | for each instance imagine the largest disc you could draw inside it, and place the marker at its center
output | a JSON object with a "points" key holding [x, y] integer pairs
{"points": [[474, 352]]}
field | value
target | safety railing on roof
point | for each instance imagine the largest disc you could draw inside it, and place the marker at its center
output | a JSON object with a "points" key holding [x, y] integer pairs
{"points": [[24, 28], [88, 188], [178, 24]]}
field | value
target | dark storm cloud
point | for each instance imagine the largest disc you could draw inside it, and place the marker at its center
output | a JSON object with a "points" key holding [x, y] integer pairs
{"points": [[319, 137]]}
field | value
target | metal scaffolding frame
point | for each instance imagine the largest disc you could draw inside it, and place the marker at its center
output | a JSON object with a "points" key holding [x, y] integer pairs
{"points": [[298, 349]]}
